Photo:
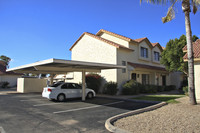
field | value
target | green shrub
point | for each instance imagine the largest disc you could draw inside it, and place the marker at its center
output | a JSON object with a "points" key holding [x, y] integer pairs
{"points": [[185, 89], [110, 88], [169, 87], [172, 87], [93, 81], [151, 89], [160, 88], [4, 84], [131, 88], [184, 83]]}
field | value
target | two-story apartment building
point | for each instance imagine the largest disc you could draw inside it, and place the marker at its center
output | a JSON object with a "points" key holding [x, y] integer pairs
{"points": [[140, 56]]}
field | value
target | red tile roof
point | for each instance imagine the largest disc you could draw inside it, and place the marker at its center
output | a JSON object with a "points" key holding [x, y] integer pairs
{"points": [[196, 49], [97, 36], [140, 39], [114, 34], [136, 65], [101, 39]]}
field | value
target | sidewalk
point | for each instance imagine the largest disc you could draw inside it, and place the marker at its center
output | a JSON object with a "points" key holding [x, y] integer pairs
{"points": [[8, 90]]}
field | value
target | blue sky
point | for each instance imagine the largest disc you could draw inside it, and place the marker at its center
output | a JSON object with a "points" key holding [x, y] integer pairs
{"points": [[34, 30]]}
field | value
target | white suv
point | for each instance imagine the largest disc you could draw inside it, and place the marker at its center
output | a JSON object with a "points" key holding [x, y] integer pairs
{"points": [[61, 90]]}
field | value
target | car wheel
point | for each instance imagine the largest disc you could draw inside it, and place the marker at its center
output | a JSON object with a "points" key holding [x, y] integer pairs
{"points": [[90, 95], [61, 97]]}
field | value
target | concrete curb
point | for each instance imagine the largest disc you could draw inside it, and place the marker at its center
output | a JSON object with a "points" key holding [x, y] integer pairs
{"points": [[130, 100], [109, 122]]}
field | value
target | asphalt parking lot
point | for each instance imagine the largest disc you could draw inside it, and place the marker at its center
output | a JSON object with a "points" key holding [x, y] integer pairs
{"points": [[30, 113]]}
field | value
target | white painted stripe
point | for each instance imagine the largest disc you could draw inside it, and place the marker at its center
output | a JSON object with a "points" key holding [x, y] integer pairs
{"points": [[46, 104], [30, 96], [86, 107], [32, 100]]}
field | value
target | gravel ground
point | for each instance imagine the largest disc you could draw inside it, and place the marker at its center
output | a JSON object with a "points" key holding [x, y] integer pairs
{"points": [[172, 118]]}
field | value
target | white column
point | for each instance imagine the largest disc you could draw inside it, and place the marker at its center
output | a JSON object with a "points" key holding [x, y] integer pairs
{"points": [[83, 85]]}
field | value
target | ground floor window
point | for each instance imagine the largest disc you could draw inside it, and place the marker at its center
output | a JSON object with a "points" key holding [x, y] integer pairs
{"points": [[145, 79], [157, 79], [133, 76]]}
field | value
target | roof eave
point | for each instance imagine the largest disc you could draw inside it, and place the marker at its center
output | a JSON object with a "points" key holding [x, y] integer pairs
{"points": [[113, 34]]}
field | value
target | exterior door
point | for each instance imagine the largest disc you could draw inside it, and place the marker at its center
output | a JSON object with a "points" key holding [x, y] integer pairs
{"points": [[133, 76], [164, 80]]}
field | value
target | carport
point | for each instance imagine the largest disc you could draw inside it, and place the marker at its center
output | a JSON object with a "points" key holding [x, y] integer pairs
{"points": [[60, 66]]}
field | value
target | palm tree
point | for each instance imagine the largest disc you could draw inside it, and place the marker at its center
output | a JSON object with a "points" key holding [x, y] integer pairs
{"points": [[186, 7]]}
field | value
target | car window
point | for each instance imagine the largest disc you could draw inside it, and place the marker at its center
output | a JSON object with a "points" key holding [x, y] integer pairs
{"points": [[71, 86], [64, 86], [78, 86], [56, 84]]}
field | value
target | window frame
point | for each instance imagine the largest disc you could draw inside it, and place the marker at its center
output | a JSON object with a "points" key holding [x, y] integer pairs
{"points": [[144, 52], [156, 56], [145, 79], [124, 64]]}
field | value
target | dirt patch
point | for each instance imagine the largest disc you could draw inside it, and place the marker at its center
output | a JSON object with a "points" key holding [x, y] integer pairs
{"points": [[180, 118]]}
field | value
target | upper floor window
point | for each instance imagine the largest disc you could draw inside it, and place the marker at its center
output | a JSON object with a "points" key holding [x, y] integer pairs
{"points": [[124, 64], [156, 56], [144, 52]]}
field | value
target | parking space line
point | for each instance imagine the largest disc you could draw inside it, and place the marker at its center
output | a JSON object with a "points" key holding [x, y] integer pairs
{"points": [[70, 110], [46, 104], [31, 96], [32, 100]]}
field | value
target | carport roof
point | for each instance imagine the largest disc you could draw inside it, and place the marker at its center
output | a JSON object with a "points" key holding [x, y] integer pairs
{"points": [[59, 66]]}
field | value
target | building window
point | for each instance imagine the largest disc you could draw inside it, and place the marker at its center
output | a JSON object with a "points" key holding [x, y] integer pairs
{"points": [[156, 56], [124, 64], [157, 79], [133, 76], [145, 79], [144, 52]]}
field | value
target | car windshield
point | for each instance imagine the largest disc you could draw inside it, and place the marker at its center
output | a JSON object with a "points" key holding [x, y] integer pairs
{"points": [[56, 84]]}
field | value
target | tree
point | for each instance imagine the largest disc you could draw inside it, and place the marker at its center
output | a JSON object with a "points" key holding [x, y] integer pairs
{"points": [[6, 60], [171, 15], [172, 55]]}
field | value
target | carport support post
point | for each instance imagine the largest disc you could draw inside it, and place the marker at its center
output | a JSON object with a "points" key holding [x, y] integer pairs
{"points": [[83, 85], [52, 75]]}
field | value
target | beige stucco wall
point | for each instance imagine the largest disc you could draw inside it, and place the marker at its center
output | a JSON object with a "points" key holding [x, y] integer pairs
{"points": [[145, 45], [155, 49], [152, 76], [134, 57], [25, 85], [11, 79], [93, 50], [115, 39], [197, 80], [176, 78]]}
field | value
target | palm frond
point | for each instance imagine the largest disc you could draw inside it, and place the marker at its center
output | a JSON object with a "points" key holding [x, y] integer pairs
{"points": [[170, 14], [158, 1], [195, 5]]}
